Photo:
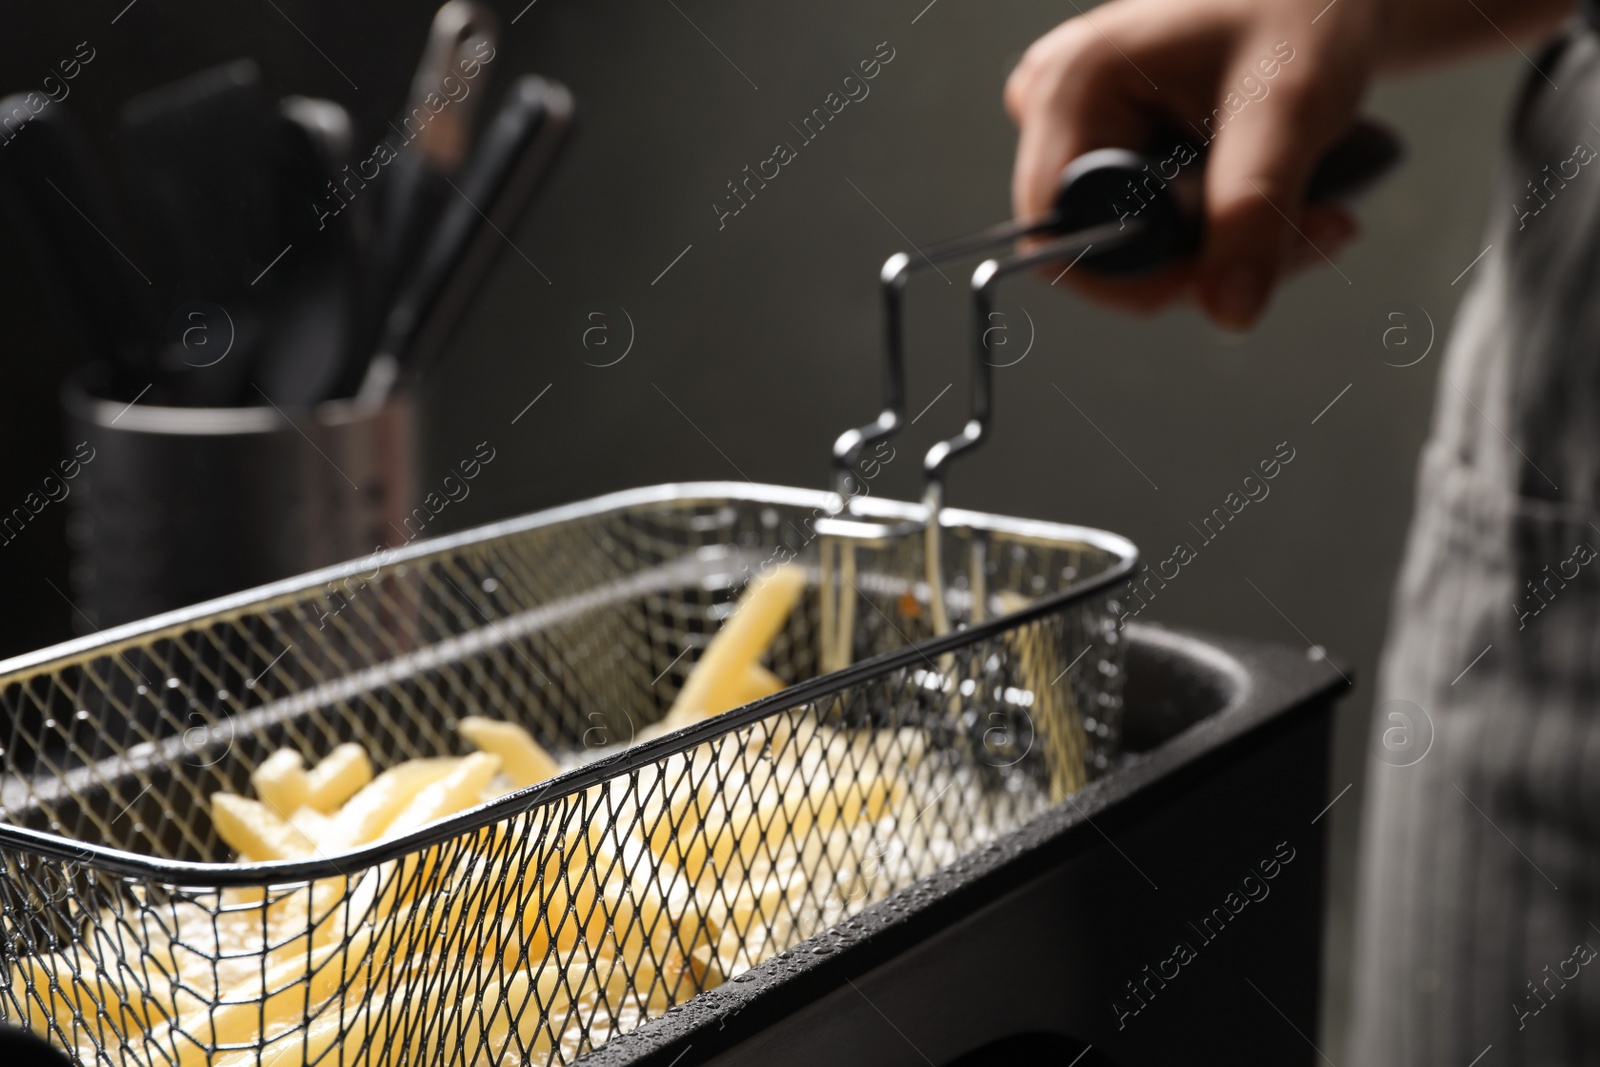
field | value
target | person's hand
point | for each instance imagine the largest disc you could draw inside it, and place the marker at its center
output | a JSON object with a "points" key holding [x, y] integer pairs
{"points": [[1259, 83]]}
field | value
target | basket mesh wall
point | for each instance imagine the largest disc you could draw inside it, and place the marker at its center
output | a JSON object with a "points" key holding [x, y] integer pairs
{"points": [[567, 918]]}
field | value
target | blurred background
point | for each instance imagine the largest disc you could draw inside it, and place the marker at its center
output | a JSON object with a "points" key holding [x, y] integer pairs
{"points": [[755, 337]]}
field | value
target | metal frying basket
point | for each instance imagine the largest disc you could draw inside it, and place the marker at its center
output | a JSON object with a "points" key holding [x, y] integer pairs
{"points": [[535, 926]]}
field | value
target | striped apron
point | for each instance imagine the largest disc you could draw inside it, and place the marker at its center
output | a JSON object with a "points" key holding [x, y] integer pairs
{"points": [[1479, 908]]}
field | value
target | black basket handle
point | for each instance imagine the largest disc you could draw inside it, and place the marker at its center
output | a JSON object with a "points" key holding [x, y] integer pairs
{"points": [[1120, 211]]}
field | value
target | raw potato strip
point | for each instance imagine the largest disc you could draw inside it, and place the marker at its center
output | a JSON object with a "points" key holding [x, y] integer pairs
{"points": [[281, 782], [30, 984], [119, 998], [571, 897], [582, 897], [1057, 719], [288, 992], [522, 1004], [336, 1024], [460, 789], [371, 813], [712, 687], [375, 1035], [523, 759], [405, 931], [106, 1018], [337, 778], [312, 824], [803, 753], [398, 883], [186, 954], [757, 682], [415, 911], [706, 838], [323, 907], [565, 902], [255, 831], [367, 814]]}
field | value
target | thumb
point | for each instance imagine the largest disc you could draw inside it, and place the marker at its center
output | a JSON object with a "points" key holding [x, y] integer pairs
{"points": [[1271, 135]]}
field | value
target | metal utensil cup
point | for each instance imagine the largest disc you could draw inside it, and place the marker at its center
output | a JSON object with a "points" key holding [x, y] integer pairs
{"points": [[182, 505]]}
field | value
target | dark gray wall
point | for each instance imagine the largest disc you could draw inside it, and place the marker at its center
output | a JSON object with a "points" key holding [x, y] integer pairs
{"points": [[760, 343]]}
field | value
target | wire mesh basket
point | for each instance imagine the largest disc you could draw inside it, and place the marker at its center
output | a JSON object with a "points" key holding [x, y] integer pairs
{"points": [[945, 676], [556, 916]]}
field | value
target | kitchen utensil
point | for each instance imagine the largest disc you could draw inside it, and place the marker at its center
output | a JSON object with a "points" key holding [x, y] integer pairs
{"points": [[310, 328], [1092, 209], [183, 504], [1155, 199], [198, 159], [1094, 199], [1228, 744], [436, 131], [512, 157], [57, 198]]}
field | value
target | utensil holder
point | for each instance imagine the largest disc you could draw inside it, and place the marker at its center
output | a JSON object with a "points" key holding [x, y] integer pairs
{"points": [[173, 506]]}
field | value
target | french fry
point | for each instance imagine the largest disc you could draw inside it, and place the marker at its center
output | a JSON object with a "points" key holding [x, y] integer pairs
{"points": [[367, 814], [281, 781], [348, 1028], [104, 996], [456, 791], [1055, 715], [757, 682], [337, 778], [363, 1023], [30, 984], [706, 838], [255, 830], [312, 824], [257, 833], [397, 1030], [522, 1005], [522, 759], [575, 898], [78, 991], [189, 944], [714, 684], [281, 996], [565, 902], [306, 919]]}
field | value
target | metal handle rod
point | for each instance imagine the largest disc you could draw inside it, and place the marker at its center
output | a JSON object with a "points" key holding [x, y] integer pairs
{"points": [[838, 553], [896, 271], [985, 281], [1093, 191], [838, 605]]}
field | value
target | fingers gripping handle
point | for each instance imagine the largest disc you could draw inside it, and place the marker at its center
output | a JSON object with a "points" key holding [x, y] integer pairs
{"points": [[1124, 213], [1118, 213], [1163, 191]]}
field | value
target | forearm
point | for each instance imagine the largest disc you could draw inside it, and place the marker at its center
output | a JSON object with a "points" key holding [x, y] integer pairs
{"points": [[1416, 34]]}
